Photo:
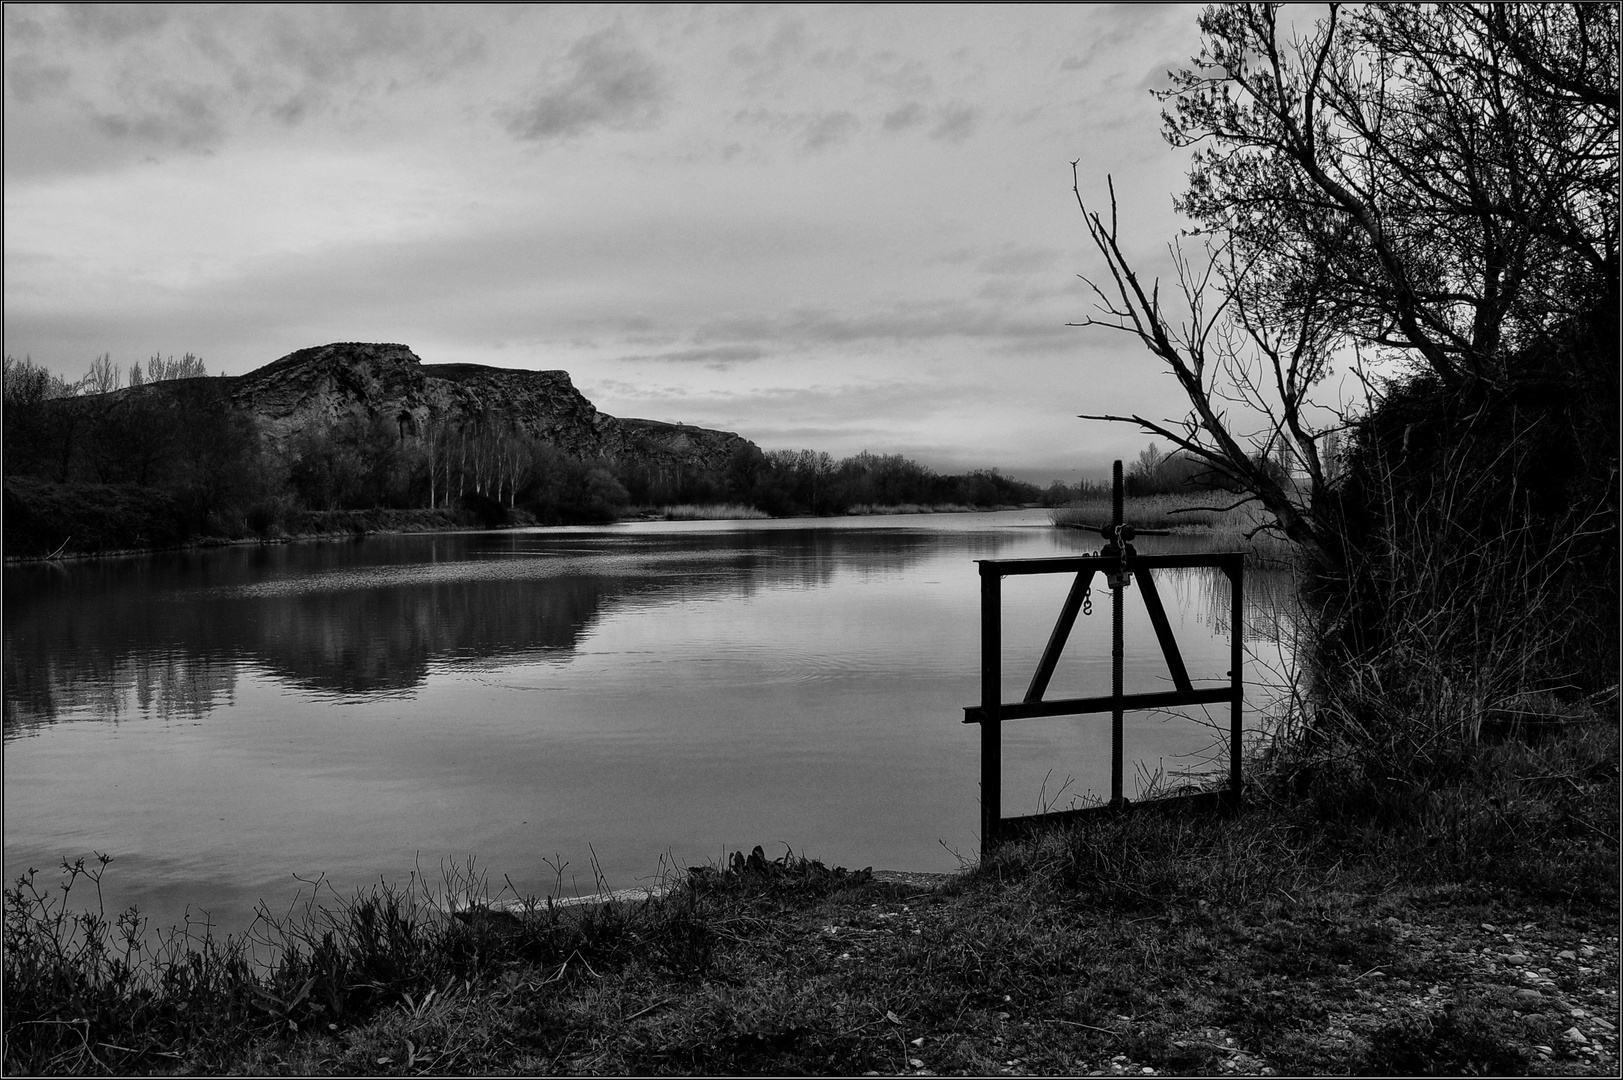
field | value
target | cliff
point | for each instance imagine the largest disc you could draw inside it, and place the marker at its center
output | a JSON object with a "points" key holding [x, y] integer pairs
{"points": [[328, 383]]}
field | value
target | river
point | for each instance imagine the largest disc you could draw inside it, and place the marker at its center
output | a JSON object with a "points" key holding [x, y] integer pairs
{"points": [[226, 722]]}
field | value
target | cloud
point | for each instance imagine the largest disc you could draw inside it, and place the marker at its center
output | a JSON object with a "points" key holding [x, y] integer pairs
{"points": [[904, 117], [113, 24], [30, 79], [990, 327], [1025, 260], [1159, 76], [955, 122], [118, 81], [828, 129], [788, 40], [715, 356], [174, 114], [613, 86], [812, 131], [896, 72]]}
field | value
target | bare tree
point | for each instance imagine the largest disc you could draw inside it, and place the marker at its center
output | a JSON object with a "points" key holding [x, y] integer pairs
{"points": [[103, 377], [1436, 185]]}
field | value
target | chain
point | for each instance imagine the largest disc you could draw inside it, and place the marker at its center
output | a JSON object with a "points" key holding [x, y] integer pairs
{"points": [[1087, 599]]}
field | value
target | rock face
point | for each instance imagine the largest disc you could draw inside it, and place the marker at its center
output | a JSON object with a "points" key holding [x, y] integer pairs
{"points": [[330, 383]]}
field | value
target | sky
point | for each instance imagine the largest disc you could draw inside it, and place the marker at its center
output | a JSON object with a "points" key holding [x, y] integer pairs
{"points": [[836, 228]]}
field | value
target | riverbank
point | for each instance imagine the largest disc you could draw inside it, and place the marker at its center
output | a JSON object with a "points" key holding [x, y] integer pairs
{"points": [[1310, 934], [84, 521]]}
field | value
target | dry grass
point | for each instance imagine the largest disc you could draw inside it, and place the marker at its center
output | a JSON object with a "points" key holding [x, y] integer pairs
{"points": [[1304, 936], [712, 512], [870, 509]]}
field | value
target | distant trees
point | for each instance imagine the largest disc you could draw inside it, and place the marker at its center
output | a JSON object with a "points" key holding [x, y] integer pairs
{"points": [[182, 451], [160, 370], [30, 436], [175, 435], [807, 482]]}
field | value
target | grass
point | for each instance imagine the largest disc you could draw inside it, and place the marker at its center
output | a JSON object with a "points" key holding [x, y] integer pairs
{"points": [[1183, 513], [874, 509], [1306, 935], [712, 512]]}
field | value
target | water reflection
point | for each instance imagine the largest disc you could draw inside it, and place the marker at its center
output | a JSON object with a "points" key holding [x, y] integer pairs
{"points": [[361, 618], [220, 720]]}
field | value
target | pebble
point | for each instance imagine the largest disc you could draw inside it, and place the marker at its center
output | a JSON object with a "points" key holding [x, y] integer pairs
{"points": [[1526, 994], [1516, 958], [1572, 1034], [1566, 954], [1541, 1048]]}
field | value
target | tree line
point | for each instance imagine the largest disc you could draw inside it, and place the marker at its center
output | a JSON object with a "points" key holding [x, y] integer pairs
{"points": [[203, 466]]}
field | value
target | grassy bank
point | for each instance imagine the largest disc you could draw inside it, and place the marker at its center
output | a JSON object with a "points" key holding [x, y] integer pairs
{"points": [[1475, 932]]}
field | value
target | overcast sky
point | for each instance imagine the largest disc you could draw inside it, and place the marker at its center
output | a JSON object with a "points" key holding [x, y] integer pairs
{"points": [[834, 228]]}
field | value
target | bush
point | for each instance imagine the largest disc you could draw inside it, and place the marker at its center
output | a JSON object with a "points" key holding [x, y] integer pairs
{"points": [[41, 517], [1474, 585]]}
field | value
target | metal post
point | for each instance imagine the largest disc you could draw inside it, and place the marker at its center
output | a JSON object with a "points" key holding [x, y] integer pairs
{"points": [[991, 698], [1236, 660], [1115, 637]]}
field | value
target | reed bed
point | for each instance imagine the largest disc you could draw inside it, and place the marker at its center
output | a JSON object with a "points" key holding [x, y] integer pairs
{"points": [[712, 512], [874, 509]]}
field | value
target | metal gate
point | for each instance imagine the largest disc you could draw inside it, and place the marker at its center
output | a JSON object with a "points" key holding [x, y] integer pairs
{"points": [[1119, 563]]}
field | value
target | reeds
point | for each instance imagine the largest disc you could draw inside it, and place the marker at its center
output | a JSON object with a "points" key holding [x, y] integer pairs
{"points": [[1444, 627], [876, 509], [712, 512], [1183, 513]]}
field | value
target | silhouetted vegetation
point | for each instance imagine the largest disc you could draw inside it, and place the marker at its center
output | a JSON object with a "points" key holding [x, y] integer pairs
{"points": [[787, 483], [1430, 192]]}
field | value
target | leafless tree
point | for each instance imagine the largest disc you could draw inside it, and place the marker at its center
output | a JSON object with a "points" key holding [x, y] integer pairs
{"points": [[1435, 185]]}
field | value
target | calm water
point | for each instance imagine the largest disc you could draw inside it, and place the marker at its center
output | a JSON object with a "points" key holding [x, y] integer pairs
{"points": [[221, 721]]}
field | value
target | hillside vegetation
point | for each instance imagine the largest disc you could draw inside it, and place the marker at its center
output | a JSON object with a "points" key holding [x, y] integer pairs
{"points": [[354, 437]]}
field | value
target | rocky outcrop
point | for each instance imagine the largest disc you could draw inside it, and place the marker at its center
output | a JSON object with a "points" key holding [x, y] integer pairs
{"points": [[329, 383]]}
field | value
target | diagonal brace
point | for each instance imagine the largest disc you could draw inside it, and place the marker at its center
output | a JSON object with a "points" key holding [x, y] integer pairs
{"points": [[1061, 634], [1163, 629]]}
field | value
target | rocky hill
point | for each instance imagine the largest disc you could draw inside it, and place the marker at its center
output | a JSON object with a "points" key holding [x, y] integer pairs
{"points": [[328, 383]]}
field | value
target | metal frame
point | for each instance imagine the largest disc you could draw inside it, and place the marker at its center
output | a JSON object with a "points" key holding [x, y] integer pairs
{"points": [[1116, 563]]}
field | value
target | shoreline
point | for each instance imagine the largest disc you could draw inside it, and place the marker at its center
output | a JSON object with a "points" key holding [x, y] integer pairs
{"points": [[357, 533], [1275, 942]]}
